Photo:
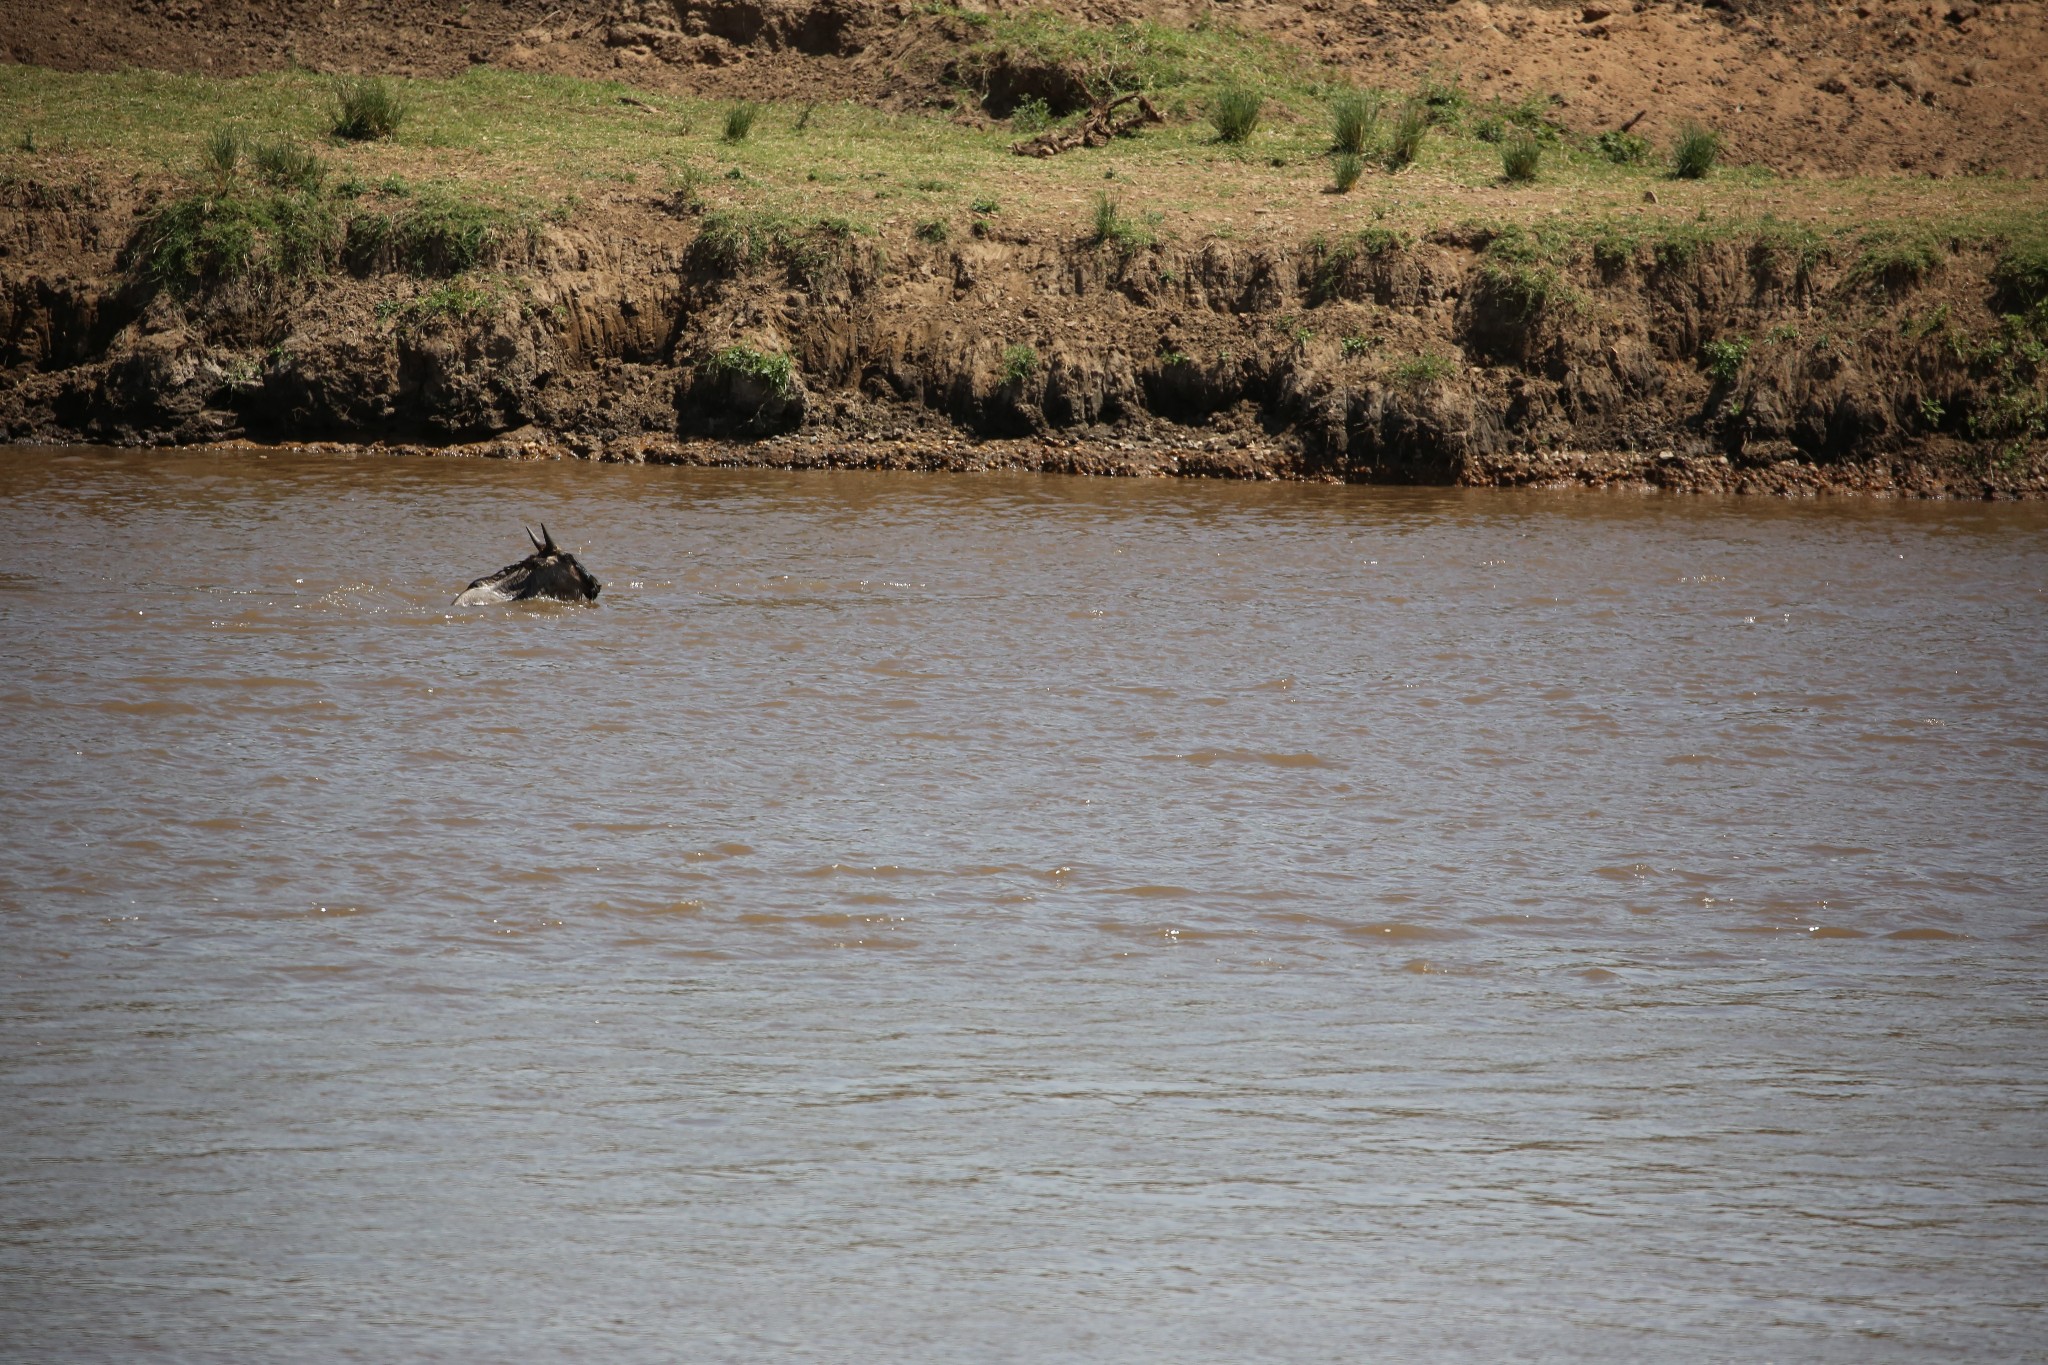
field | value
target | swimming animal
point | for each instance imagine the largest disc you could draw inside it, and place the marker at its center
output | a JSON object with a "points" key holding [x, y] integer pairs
{"points": [[548, 572]]}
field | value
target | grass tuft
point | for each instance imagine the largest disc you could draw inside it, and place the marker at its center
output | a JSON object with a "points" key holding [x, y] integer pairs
{"points": [[1355, 122], [1409, 130], [1345, 170], [934, 231], [1235, 111], [288, 166], [367, 110], [740, 120], [1426, 368], [1020, 362], [221, 157], [1521, 156], [1695, 151]]}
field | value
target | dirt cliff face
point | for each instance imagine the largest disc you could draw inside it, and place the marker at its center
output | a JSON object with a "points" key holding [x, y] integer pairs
{"points": [[1721, 362], [1800, 85]]}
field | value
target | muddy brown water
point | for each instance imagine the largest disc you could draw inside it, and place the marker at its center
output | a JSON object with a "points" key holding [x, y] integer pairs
{"points": [[924, 918]]}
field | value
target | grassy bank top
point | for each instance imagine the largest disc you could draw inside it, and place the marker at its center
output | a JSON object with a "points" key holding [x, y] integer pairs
{"points": [[1250, 152]]}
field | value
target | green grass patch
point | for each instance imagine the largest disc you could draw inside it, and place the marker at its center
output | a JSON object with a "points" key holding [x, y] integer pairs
{"points": [[1623, 148], [1426, 368], [1020, 362], [1524, 269], [771, 369], [204, 239], [2021, 272], [285, 165], [1896, 257]]}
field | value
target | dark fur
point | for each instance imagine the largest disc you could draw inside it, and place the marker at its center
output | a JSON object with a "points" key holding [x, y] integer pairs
{"points": [[548, 572]]}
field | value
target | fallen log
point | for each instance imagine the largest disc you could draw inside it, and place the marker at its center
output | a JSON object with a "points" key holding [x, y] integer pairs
{"points": [[1095, 130]]}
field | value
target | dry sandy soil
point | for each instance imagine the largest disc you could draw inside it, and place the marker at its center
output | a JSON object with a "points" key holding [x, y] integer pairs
{"points": [[1879, 86]]}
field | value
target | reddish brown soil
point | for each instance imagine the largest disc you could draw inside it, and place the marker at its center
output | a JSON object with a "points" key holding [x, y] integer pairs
{"points": [[1880, 86]]}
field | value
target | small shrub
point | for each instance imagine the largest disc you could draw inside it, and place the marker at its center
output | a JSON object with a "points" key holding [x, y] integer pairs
{"points": [[1032, 116], [1725, 357], [1695, 152], [1521, 156], [1355, 122], [1623, 148], [222, 155], [1409, 130], [1426, 368], [743, 361], [1235, 112], [1355, 346], [1020, 362], [1345, 171], [740, 120], [367, 110], [288, 166], [933, 230]]}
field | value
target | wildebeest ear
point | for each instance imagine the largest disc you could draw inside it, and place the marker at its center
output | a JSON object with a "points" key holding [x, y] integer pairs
{"points": [[549, 548], [536, 543]]}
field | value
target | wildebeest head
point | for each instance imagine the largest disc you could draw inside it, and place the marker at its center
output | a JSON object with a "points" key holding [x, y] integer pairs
{"points": [[548, 572]]}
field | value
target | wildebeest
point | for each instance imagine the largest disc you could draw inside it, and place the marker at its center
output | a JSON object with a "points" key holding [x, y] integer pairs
{"points": [[547, 572]]}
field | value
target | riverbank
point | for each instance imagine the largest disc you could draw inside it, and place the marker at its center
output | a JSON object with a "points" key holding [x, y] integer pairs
{"points": [[543, 265]]}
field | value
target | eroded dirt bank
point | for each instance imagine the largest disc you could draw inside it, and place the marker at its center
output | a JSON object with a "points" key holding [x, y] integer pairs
{"points": [[1750, 360]]}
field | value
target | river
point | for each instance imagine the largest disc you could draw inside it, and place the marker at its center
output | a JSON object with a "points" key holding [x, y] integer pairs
{"points": [[1014, 919]]}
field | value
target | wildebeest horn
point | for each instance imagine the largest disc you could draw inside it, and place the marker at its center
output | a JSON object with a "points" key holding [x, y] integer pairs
{"points": [[530, 536], [548, 548]]}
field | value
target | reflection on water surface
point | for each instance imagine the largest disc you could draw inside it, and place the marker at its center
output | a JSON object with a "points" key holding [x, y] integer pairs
{"points": [[926, 918]]}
